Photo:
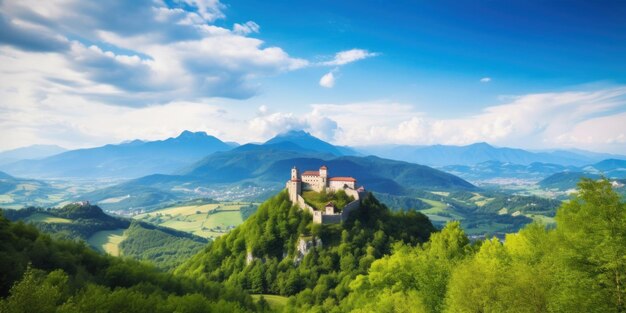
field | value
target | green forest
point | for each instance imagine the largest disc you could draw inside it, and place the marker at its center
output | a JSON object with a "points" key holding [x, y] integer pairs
{"points": [[377, 261]]}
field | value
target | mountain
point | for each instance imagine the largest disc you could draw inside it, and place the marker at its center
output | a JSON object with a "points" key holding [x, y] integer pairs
{"points": [[268, 165], [309, 142], [565, 180], [490, 170], [443, 155], [30, 152], [612, 168], [128, 160]]}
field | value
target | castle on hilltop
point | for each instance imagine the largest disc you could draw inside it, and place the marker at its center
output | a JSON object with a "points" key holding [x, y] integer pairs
{"points": [[320, 181]]}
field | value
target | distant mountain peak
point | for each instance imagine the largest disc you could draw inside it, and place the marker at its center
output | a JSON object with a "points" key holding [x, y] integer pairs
{"points": [[295, 133], [481, 144], [189, 134]]}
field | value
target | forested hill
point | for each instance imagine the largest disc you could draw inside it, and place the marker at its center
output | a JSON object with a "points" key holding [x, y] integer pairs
{"points": [[41, 274], [262, 255], [165, 247]]}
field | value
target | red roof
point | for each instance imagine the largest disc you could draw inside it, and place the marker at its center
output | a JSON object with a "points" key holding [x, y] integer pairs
{"points": [[323, 167], [350, 179], [311, 173]]}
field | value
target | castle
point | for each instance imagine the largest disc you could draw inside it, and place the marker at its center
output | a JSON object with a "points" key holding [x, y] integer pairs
{"points": [[319, 181]]}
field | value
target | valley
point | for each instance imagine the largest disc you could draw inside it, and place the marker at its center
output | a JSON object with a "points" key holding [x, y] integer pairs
{"points": [[205, 220]]}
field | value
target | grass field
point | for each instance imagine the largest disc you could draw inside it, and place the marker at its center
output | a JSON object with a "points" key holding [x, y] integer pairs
{"points": [[45, 218], [437, 208], [275, 302], [108, 241], [542, 218], [207, 220]]}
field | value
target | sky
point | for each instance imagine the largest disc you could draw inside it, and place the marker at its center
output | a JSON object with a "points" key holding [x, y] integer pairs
{"points": [[527, 74]]}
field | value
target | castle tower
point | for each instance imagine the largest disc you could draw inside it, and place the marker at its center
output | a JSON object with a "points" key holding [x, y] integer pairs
{"points": [[294, 173], [323, 177], [294, 186]]}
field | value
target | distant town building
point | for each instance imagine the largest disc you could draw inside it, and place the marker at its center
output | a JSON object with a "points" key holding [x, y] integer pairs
{"points": [[319, 181]]}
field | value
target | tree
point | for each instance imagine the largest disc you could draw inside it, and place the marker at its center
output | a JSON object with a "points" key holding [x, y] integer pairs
{"points": [[592, 232]]}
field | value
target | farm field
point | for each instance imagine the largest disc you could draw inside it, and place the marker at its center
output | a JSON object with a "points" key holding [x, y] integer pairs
{"points": [[206, 220], [108, 241]]}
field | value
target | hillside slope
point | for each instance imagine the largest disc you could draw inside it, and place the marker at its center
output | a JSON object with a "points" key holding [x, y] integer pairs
{"points": [[262, 254], [165, 247], [43, 274]]}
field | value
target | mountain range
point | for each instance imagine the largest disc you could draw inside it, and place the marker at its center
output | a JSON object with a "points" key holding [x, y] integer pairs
{"points": [[443, 155], [30, 152], [268, 165], [123, 161]]}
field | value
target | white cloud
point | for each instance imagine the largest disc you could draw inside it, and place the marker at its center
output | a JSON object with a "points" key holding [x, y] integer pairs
{"points": [[328, 80], [246, 28], [485, 79], [349, 56], [584, 119], [147, 53]]}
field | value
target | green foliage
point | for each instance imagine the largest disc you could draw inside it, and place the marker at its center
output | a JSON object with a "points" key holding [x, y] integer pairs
{"points": [[579, 266], [319, 200], [165, 247], [159, 245], [247, 211], [86, 220], [320, 278], [40, 274]]}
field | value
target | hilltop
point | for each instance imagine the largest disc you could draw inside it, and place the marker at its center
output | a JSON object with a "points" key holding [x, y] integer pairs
{"points": [[279, 250], [113, 235]]}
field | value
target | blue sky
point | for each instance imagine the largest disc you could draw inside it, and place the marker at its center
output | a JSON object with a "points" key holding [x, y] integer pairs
{"points": [[530, 74]]}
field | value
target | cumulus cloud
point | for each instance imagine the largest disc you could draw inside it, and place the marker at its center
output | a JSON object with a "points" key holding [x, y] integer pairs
{"points": [[485, 79], [147, 52], [349, 56], [268, 124], [328, 80]]}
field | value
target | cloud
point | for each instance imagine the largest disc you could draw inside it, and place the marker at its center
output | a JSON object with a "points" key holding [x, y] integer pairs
{"points": [[349, 56], [328, 80], [247, 28], [267, 124], [485, 79], [148, 52], [582, 119]]}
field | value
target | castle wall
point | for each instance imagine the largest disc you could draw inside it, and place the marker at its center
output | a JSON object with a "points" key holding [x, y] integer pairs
{"points": [[331, 219], [349, 208], [353, 193]]}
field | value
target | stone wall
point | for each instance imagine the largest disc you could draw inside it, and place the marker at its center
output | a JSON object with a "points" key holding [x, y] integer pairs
{"points": [[349, 208], [331, 218]]}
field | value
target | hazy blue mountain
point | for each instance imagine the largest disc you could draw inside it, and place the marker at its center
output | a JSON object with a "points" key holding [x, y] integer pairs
{"points": [[442, 155], [565, 180], [128, 160], [309, 142], [612, 168], [495, 169], [30, 152], [269, 165]]}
